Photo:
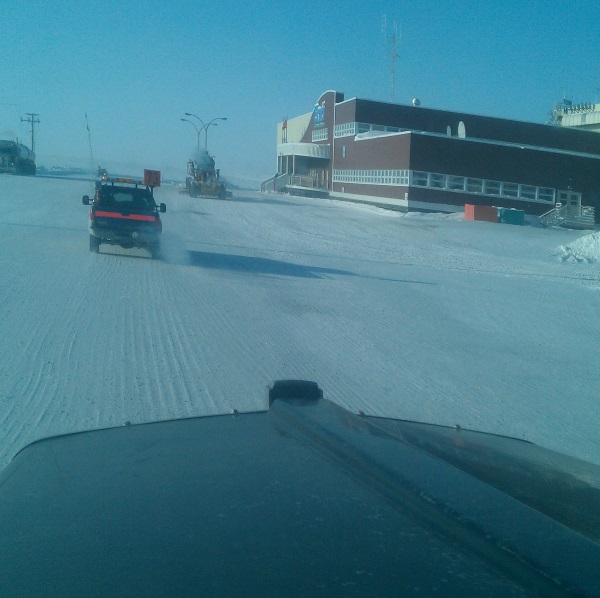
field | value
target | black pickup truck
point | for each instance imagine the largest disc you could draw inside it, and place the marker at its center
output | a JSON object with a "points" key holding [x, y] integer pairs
{"points": [[123, 212]]}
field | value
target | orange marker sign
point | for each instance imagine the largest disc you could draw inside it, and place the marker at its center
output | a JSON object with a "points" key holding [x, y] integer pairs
{"points": [[152, 178]]}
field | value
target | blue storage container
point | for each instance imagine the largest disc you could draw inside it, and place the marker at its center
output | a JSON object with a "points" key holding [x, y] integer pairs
{"points": [[508, 216]]}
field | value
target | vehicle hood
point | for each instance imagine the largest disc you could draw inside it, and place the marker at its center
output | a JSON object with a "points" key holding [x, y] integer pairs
{"points": [[304, 498]]}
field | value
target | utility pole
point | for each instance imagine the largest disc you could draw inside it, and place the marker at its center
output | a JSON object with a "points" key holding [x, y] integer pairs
{"points": [[392, 39], [92, 162], [31, 120]]}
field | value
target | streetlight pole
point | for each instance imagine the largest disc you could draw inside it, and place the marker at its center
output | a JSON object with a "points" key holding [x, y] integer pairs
{"points": [[205, 126], [195, 127]]}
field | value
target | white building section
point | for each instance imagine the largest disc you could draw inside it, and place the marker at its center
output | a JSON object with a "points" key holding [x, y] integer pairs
{"points": [[583, 116]]}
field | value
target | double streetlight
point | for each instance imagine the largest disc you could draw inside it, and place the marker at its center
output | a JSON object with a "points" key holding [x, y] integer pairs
{"points": [[204, 127]]}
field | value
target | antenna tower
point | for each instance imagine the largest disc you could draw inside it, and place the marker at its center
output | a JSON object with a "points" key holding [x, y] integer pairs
{"points": [[392, 40]]}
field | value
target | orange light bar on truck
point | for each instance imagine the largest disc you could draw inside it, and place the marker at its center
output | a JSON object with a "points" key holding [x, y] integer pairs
{"points": [[125, 180]]}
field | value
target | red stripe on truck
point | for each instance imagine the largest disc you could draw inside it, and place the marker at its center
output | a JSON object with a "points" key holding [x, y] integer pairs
{"points": [[129, 217]]}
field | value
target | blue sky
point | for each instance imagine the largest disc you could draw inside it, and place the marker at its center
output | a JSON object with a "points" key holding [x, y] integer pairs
{"points": [[136, 67]]}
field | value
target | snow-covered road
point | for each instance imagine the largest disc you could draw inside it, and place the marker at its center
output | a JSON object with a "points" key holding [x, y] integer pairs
{"points": [[422, 317]]}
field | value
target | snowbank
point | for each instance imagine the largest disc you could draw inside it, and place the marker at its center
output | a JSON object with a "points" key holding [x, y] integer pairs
{"points": [[585, 249]]}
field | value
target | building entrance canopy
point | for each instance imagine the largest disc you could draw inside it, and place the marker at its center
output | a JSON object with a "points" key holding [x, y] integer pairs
{"points": [[311, 150]]}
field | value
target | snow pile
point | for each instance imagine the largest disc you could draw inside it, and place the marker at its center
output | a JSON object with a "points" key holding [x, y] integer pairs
{"points": [[585, 249], [460, 215], [395, 213]]}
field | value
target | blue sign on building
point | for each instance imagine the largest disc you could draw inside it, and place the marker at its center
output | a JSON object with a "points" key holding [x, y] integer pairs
{"points": [[319, 115]]}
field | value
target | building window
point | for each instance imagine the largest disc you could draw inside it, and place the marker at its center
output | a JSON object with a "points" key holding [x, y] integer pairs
{"points": [[419, 179], [345, 129], [343, 151], [510, 190], [475, 185], [546, 194], [456, 183], [492, 187], [319, 134], [528, 192], [372, 177], [437, 181]]}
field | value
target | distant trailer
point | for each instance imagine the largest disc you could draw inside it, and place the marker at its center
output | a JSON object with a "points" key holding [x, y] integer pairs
{"points": [[16, 158]]}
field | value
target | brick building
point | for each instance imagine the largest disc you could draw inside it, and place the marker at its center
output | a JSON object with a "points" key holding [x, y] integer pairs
{"points": [[416, 158]]}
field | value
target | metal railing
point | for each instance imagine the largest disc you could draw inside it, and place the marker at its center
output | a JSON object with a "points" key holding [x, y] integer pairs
{"points": [[268, 185], [570, 216], [588, 215], [554, 216], [276, 184], [307, 182], [280, 182]]}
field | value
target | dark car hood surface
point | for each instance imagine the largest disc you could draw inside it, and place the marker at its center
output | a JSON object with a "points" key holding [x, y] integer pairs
{"points": [[304, 499]]}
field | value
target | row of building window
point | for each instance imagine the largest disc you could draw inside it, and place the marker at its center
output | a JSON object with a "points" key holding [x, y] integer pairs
{"points": [[446, 182], [319, 134], [347, 129], [373, 177], [463, 184]]}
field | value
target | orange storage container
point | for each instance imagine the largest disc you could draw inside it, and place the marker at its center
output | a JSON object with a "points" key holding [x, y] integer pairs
{"points": [[485, 213]]}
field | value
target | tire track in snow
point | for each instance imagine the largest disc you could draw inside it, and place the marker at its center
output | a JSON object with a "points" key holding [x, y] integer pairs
{"points": [[43, 336], [206, 336]]}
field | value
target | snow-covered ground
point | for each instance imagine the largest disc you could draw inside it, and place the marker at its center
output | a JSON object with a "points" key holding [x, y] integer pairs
{"points": [[422, 317]]}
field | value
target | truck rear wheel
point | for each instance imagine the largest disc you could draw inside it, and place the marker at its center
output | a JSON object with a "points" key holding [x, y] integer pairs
{"points": [[94, 244], [155, 251]]}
